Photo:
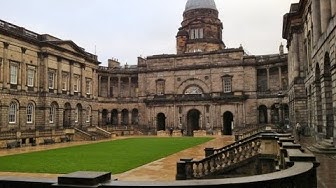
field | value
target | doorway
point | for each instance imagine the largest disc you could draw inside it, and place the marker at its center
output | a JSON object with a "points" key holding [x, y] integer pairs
{"points": [[161, 122], [227, 123], [193, 122]]}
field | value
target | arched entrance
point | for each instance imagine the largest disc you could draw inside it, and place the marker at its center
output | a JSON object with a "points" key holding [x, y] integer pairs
{"points": [[193, 121], [124, 117], [227, 123], [263, 119], [67, 115], [114, 117], [161, 122], [104, 117]]}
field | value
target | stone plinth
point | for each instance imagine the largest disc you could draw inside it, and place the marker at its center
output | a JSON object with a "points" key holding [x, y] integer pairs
{"points": [[87, 179]]}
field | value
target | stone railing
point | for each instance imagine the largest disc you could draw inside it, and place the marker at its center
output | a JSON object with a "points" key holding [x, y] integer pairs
{"points": [[249, 131], [8, 135], [218, 159]]}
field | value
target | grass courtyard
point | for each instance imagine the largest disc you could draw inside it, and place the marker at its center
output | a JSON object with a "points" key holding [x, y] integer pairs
{"points": [[114, 156]]}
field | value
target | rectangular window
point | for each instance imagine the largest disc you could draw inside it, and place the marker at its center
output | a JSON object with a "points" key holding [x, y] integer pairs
{"points": [[196, 34], [13, 74], [51, 80], [30, 112], [160, 87], [65, 82], [192, 33], [201, 33], [76, 83], [12, 112], [227, 85], [52, 114], [30, 77], [88, 86]]}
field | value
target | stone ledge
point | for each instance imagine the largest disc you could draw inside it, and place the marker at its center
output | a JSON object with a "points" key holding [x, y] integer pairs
{"points": [[84, 178]]}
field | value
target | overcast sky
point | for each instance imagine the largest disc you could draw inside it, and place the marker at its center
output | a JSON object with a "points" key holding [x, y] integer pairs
{"points": [[126, 29]]}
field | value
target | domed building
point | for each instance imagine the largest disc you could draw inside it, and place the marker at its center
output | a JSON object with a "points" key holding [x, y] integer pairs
{"points": [[205, 88], [201, 29]]}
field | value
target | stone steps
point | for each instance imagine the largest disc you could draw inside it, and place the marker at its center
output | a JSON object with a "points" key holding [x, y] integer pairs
{"points": [[325, 147]]}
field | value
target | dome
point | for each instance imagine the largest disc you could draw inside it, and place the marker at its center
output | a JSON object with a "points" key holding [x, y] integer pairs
{"points": [[200, 4]]}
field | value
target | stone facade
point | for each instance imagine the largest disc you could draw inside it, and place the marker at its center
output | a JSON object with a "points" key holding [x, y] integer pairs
{"points": [[204, 87], [51, 84], [309, 28]]}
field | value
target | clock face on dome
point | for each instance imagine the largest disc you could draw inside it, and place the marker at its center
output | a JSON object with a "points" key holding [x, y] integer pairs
{"points": [[193, 90]]}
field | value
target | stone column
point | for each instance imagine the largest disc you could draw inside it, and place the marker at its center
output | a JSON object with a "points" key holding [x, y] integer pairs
{"points": [[109, 86], [6, 70], [71, 78], [99, 85], [295, 48], [325, 14], [268, 78], [119, 86], [82, 82], [95, 86], [119, 118], [59, 75], [130, 86], [46, 71], [316, 20], [333, 8], [280, 79], [23, 76]]}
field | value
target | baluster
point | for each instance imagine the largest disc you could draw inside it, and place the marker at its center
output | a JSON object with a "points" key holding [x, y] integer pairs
{"points": [[196, 170]]}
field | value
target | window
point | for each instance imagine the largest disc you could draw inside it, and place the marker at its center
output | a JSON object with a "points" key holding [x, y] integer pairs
{"points": [[196, 33], [88, 114], [13, 74], [30, 77], [52, 114], [76, 83], [65, 81], [77, 114], [51, 80], [13, 108], [30, 113], [193, 90], [160, 87], [88, 86], [227, 84]]}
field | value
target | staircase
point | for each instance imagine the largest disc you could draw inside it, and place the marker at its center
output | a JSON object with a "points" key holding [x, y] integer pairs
{"points": [[326, 147], [248, 153], [81, 135], [103, 133]]}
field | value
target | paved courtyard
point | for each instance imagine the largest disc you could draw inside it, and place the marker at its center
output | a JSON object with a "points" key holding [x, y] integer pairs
{"points": [[165, 168]]}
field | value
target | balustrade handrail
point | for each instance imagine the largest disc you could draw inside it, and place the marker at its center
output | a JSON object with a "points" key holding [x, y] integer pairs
{"points": [[224, 158], [83, 132]]}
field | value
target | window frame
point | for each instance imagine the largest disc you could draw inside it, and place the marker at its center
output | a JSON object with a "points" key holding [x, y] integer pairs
{"points": [[51, 79], [160, 87], [76, 83], [31, 78], [52, 114], [65, 81], [30, 113], [13, 76], [12, 113], [88, 86], [227, 84]]}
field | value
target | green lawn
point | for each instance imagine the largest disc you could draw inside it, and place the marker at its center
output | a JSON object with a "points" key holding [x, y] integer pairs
{"points": [[114, 156]]}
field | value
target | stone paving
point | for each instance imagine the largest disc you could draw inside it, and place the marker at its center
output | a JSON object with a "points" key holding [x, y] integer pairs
{"points": [[326, 172], [165, 168]]}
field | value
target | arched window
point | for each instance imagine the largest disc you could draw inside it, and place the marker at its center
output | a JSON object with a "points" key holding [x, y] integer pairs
{"points": [[30, 113], [13, 108], [88, 114], [52, 113], [193, 90]]}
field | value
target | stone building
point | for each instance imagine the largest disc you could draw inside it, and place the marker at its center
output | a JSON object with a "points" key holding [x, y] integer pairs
{"points": [[309, 28], [204, 88], [51, 88]]}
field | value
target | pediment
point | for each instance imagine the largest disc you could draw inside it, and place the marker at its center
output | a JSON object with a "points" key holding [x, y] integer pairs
{"points": [[69, 45]]}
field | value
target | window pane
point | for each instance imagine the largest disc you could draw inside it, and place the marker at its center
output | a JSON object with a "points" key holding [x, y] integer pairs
{"points": [[30, 112], [51, 78], [12, 112], [30, 78], [13, 75]]}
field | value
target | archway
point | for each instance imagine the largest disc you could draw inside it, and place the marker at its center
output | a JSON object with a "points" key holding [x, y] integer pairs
{"points": [[263, 118], [275, 113], [228, 123], [318, 103], [114, 117], [79, 115], [161, 122], [135, 117], [67, 115], [193, 121], [104, 117], [124, 117]]}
